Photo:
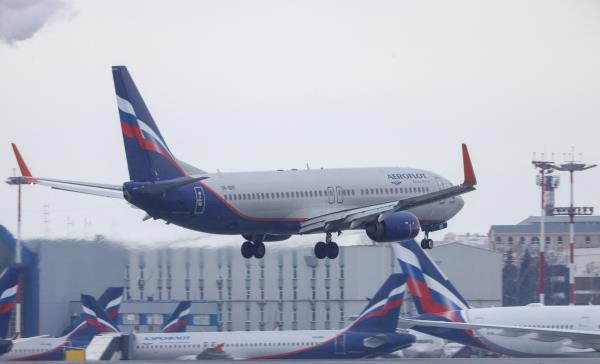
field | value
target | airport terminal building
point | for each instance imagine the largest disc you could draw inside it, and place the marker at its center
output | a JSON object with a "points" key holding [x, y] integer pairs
{"points": [[289, 289]]}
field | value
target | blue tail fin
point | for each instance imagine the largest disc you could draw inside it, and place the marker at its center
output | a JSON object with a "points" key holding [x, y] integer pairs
{"points": [[179, 319], [381, 314], [148, 156], [94, 322], [110, 301], [9, 284], [431, 290]]}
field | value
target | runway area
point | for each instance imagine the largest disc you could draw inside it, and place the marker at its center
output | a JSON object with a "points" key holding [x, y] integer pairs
{"points": [[408, 361]]}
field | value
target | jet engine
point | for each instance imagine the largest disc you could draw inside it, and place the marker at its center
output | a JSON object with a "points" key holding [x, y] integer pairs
{"points": [[399, 226]]}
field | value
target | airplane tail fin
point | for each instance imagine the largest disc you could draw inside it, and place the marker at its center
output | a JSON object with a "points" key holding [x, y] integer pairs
{"points": [[179, 319], [94, 322], [148, 156], [383, 310], [110, 301], [431, 290], [9, 283]]}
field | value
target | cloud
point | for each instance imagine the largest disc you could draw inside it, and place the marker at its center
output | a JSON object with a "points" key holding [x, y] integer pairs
{"points": [[21, 19]]}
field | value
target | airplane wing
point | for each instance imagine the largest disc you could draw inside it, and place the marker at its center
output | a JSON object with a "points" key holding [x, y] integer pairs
{"points": [[89, 188], [357, 217], [579, 339]]}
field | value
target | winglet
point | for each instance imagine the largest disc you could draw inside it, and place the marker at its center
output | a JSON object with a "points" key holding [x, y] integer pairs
{"points": [[22, 166], [470, 179]]}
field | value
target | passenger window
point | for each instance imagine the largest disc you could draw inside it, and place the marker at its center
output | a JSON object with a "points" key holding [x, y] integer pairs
{"points": [[254, 196], [287, 194], [311, 193], [320, 193]]}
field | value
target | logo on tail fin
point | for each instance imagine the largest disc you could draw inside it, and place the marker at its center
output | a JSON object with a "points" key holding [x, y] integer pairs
{"points": [[179, 319], [94, 316], [110, 301], [9, 283], [148, 156], [381, 314], [431, 290]]}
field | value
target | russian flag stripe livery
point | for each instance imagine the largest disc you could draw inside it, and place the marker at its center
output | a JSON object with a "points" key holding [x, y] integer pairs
{"points": [[9, 286], [431, 290], [179, 319], [94, 316], [381, 314], [148, 156], [110, 301]]}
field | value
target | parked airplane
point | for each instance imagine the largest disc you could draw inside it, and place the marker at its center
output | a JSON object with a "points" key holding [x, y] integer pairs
{"points": [[425, 346], [389, 203], [372, 334], [534, 330], [179, 319], [52, 348], [9, 284]]}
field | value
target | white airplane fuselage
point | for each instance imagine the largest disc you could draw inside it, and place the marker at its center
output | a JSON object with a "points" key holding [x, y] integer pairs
{"points": [[289, 344], [585, 318], [277, 202]]}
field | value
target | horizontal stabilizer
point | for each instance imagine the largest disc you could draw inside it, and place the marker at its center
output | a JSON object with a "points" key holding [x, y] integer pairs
{"points": [[157, 188]]}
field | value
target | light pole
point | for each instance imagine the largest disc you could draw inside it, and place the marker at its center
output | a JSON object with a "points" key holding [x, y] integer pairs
{"points": [[545, 168], [18, 181], [572, 167]]}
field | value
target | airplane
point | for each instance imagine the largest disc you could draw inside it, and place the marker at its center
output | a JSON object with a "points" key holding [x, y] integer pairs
{"points": [[372, 334], [52, 348], [179, 319], [533, 330], [9, 283], [389, 203]]}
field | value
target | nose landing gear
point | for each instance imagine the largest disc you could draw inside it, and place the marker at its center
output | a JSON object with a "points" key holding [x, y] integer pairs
{"points": [[328, 249]]}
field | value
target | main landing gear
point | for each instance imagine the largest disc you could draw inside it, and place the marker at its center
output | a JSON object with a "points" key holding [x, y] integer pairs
{"points": [[427, 243], [328, 249], [253, 249]]}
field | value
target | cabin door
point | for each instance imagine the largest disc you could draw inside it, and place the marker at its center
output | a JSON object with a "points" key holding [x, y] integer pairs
{"points": [[340, 344]]}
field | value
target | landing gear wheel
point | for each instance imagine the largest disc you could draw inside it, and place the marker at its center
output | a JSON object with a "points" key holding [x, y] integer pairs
{"points": [[259, 250], [427, 244], [333, 250], [321, 250], [247, 250]]}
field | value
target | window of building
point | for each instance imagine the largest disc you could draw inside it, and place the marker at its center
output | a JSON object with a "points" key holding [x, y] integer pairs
{"points": [[559, 239], [498, 240], [154, 319], [201, 320], [535, 240], [548, 240], [588, 239], [131, 319], [522, 240], [510, 239]]}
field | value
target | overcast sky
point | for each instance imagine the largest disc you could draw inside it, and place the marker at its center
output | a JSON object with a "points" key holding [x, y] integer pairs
{"points": [[262, 85]]}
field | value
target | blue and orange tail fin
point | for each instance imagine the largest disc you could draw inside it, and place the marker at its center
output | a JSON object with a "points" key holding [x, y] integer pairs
{"points": [[431, 290], [94, 322], [383, 310], [179, 319], [110, 302], [9, 286], [148, 156]]}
